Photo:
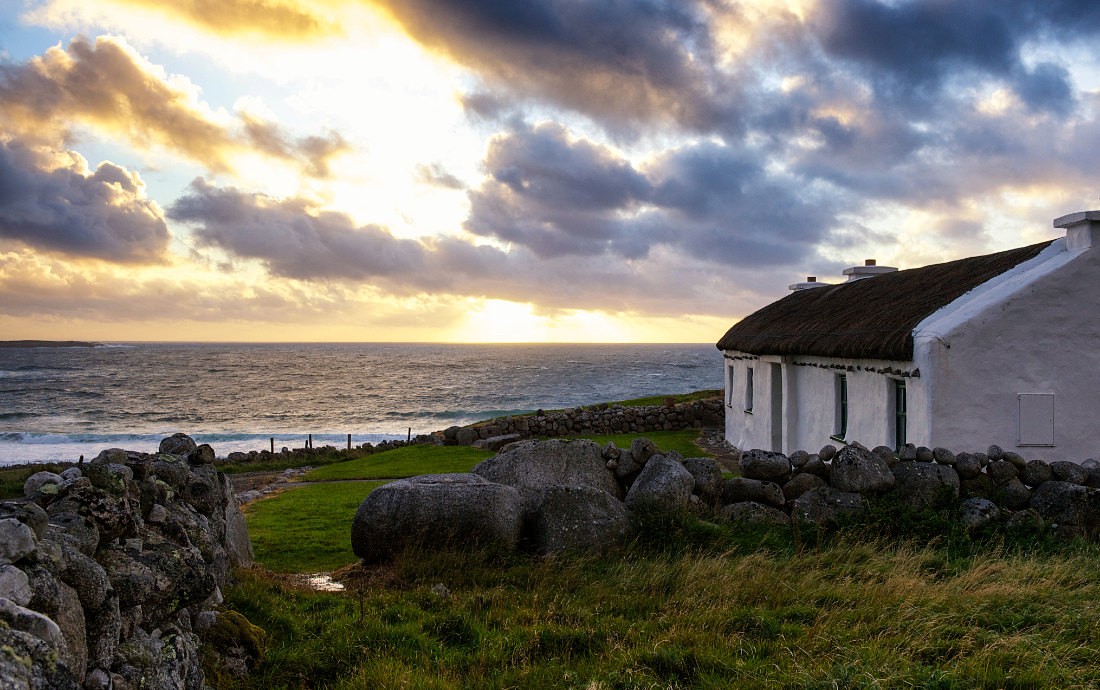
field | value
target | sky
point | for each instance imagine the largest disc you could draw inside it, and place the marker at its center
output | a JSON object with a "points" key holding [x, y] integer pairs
{"points": [[508, 171]]}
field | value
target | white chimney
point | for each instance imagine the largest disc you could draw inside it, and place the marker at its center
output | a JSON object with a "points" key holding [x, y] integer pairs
{"points": [[811, 282], [867, 270], [1082, 229]]}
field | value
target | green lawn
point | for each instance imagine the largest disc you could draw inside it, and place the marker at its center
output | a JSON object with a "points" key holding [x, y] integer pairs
{"points": [[306, 529], [409, 461]]}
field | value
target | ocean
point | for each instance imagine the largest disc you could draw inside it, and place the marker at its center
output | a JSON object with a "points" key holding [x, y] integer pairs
{"points": [[61, 403]]}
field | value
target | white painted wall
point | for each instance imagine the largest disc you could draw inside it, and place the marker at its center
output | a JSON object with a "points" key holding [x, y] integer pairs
{"points": [[1035, 329], [810, 409]]}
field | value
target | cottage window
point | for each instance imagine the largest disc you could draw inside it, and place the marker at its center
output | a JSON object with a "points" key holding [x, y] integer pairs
{"points": [[841, 407], [748, 391], [899, 414], [729, 386]]}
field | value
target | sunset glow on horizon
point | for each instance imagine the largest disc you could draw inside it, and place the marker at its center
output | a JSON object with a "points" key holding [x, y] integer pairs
{"points": [[494, 171]]}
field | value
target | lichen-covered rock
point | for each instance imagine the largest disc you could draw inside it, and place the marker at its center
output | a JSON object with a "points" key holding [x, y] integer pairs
{"points": [[798, 459], [800, 484], [827, 452], [15, 586], [1036, 472], [29, 662], [981, 486], [765, 466], [177, 444], [532, 467], [1000, 471], [1069, 507], [16, 540], [978, 513], [663, 482], [1013, 495], [826, 505], [573, 518], [926, 485], [437, 510], [1071, 472], [995, 453], [816, 466], [740, 490], [967, 465], [708, 478], [38, 480], [855, 470], [943, 456], [70, 619], [1016, 459], [753, 513]]}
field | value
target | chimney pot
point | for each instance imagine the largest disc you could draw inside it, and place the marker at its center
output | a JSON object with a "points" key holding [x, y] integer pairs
{"points": [[811, 279], [868, 262]]}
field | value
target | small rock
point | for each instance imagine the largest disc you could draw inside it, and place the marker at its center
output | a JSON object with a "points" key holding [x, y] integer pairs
{"points": [[967, 465], [740, 490], [16, 540], [826, 505], [827, 452], [924, 454], [1016, 459], [14, 585], [765, 466], [995, 453], [38, 480], [859, 471], [1013, 494], [800, 484], [1000, 471], [753, 513], [1071, 472], [1036, 472], [798, 459], [977, 513], [943, 456], [177, 444]]}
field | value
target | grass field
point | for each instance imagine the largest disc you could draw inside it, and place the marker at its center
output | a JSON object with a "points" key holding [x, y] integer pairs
{"points": [[902, 600]]}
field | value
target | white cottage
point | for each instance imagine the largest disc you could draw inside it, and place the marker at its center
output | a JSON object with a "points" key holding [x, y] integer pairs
{"points": [[1003, 349]]}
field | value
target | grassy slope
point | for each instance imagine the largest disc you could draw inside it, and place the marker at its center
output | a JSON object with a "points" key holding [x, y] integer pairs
{"points": [[844, 614], [691, 604], [409, 461]]}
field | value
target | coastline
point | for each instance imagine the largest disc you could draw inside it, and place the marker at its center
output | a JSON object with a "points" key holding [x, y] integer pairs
{"points": [[29, 344]]}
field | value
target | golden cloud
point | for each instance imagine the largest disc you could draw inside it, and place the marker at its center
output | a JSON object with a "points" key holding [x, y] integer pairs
{"points": [[107, 84]]}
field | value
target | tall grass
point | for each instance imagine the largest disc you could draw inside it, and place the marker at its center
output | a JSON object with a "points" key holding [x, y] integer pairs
{"points": [[848, 614]]}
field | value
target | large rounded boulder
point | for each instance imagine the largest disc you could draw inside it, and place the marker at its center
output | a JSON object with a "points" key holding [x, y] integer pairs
{"points": [[436, 510], [533, 467], [578, 518], [664, 483]]}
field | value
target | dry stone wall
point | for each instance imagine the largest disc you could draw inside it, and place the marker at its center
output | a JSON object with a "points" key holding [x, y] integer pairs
{"points": [[596, 419], [112, 571]]}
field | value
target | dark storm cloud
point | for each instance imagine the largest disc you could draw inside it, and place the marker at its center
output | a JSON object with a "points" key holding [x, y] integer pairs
{"points": [[557, 196], [624, 62], [910, 50], [65, 208]]}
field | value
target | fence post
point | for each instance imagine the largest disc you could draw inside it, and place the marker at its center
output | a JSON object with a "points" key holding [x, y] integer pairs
{"points": [[349, 441], [273, 445], [410, 438], [309, 441]]}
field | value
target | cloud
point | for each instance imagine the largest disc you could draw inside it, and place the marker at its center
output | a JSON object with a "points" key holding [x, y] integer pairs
{"points": [[107, 84], [558, 196], [293, 240], [655, 57], [271, 18], [54, 203], [436, 175]]}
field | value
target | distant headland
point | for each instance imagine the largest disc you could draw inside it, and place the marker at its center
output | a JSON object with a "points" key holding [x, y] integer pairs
{"points": [[47, 343]]}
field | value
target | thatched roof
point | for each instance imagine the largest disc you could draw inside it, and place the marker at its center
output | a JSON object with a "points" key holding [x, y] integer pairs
{"points": [[871, 318]]}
